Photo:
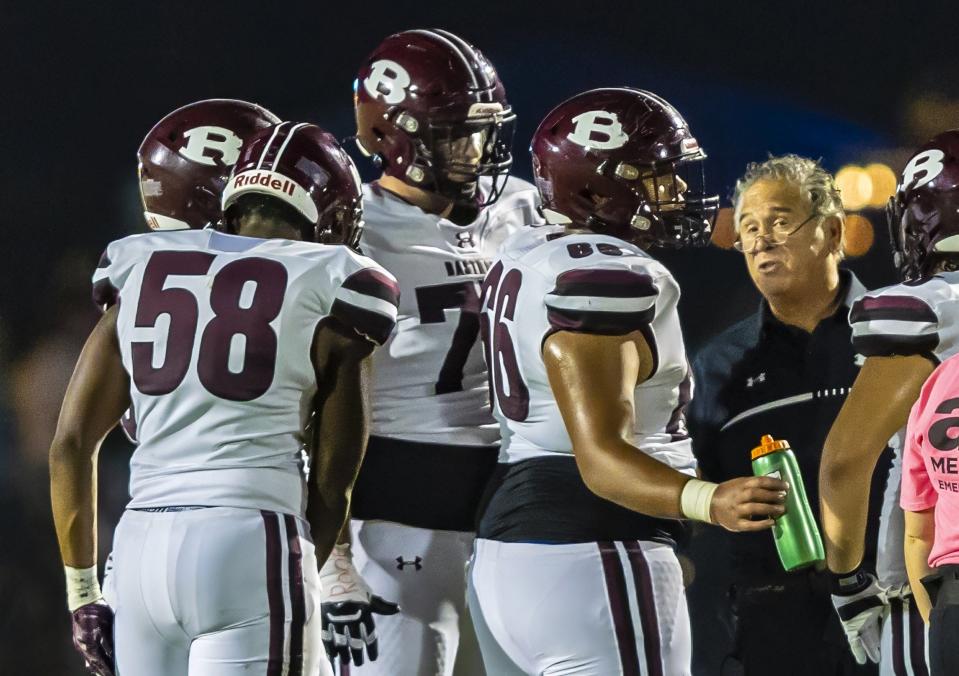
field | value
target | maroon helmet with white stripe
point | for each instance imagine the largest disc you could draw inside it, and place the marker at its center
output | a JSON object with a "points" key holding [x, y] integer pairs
{"points": [[432, 111], [305, 167], [923, 215], [185, 160], [623, 162]]}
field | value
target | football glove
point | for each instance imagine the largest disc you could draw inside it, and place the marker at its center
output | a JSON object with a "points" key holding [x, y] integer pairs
{"points": [[347, 610], [93, 637], [860, 603]]}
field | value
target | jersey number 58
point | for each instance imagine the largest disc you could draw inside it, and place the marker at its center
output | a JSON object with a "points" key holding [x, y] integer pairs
{"points": [[235, 314]]}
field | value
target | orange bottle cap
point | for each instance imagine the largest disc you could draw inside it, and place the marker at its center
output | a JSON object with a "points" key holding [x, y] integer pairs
{"points": [[769, 445]]}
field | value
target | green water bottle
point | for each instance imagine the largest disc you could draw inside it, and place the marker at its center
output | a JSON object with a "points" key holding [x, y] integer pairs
{"points": [[795, 532]]}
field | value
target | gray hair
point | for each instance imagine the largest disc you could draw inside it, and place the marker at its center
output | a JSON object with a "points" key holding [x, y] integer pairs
{"points": [[817, 184]]}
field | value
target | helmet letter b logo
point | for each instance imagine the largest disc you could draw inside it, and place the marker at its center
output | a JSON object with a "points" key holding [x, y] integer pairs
{"points": [[923, 168], [387, 80], [202, 139], [598, 129]]}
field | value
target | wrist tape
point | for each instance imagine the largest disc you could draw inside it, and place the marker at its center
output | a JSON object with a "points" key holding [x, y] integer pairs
{"points": [[696, 498], [82, 586]]}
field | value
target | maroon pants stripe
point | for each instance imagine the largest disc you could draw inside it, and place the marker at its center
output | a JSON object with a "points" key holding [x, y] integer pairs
{"points": [[297, 596], [274, 592], [647, 608], [917, 641], [898, 644], [619, 608]]}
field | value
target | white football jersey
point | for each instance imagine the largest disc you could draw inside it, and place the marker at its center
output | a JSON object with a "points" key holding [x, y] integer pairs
{"points": [[544, 282], [216, 333], [904, 319], [430, 377], [907, 319]]}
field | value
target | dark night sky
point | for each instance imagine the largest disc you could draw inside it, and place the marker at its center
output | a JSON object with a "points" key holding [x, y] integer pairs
{"points": [[83, 85]]}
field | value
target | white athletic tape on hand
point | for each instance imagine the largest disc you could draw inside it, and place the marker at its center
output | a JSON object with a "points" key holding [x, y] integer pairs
{"points": [[82, 586], [340, 580], [696, 498]]}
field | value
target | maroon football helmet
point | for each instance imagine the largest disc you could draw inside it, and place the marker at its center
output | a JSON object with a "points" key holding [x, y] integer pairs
{"points": [[186, 158], [306, 168], [923, 215], [432, 112], [623, 162]]}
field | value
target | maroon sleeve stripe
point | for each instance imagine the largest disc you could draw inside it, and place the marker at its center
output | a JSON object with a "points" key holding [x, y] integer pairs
{"points": [[376, 283], [375, 326], [604, 283], [602, 323], [105, 295], [896, 308], [876, 345]]}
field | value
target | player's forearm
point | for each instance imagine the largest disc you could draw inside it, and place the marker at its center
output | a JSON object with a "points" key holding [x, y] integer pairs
{"points": [[621, 473], [345, 537], [844, 502], [73, 496], [343, 422], [327, 517]]}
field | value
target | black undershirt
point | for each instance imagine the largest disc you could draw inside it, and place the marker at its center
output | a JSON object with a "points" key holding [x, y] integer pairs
{"points": [[434, 486], [545, 500]]}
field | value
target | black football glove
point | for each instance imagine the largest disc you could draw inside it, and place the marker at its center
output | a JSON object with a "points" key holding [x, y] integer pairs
{"points": [[348, 628], [93, 637]]}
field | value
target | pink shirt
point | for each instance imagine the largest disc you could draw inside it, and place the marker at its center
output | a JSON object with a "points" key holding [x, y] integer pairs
{"points": [[930, 464]]}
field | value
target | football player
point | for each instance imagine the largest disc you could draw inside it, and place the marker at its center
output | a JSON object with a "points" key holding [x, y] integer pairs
{"points": [[904, 331], [574, 570], [432, 114], [225, 343]]}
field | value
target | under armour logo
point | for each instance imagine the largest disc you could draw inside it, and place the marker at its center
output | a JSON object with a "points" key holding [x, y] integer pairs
{"points": [[761, 378], [859, 359], [598, 129], [464, 240], [401, 563], [387, 80], [202, 139]]}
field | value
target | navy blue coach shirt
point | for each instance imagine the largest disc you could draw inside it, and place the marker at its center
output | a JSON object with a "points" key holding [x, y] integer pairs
{"points": [[762, 376]]}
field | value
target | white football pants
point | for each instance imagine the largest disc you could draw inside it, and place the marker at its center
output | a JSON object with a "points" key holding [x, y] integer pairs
{"points": [[905, 638], [425, 572], [215, 592], [589, 609]]}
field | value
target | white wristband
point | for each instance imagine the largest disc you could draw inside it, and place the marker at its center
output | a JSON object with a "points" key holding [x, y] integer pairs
{"points": [[82, 586], [696, 498]]}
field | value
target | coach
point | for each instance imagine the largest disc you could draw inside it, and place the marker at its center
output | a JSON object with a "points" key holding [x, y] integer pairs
{"points": [[783, 371]]}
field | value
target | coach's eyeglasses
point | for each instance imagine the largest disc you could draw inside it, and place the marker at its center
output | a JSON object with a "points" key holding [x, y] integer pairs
{"points": [[777, 234]]}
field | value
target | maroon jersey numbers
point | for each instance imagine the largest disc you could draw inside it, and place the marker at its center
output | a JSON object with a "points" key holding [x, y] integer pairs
{"points": [[500, 295], [234, 316]]}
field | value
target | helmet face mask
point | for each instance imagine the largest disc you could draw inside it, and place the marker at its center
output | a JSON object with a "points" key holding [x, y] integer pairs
{"points": [[674, 209], [342, 224], [458, 154]]}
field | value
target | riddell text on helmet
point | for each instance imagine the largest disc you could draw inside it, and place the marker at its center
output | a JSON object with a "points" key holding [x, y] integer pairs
{"points": [[267, 180]]}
